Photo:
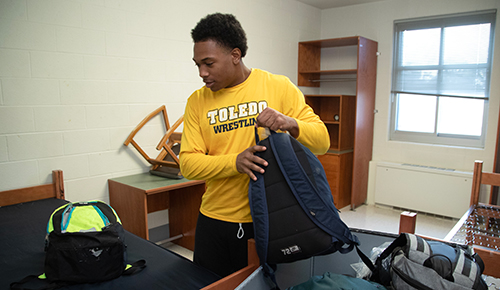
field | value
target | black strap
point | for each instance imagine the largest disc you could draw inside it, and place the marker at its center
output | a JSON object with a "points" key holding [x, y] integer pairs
{"points": [[397, 243], [479, 262], [34, 279], [365, 259], [379, 274], [269, 270], [136, 267], [257, 139]]}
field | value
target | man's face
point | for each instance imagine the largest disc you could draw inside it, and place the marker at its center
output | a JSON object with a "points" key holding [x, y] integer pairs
{"points": [[216, 65]]}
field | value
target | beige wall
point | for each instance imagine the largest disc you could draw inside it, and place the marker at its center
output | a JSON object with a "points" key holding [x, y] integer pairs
{"points": [[375, 21], [77, 76]]}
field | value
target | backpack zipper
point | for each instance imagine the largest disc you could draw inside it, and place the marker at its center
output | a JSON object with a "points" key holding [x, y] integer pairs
{"points": [[66, 216], [102, 215]]}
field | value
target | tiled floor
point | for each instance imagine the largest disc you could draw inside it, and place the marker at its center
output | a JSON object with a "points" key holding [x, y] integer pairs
{"points": [[386, 219], [179, 250], [377, 218]]}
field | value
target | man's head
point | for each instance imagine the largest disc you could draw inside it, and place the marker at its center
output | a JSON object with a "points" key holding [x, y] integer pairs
{"points": [[219, 45], [224, 29]]}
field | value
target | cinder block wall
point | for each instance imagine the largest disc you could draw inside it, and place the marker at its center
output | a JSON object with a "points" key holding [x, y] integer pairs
{"points": [[77, 76]]}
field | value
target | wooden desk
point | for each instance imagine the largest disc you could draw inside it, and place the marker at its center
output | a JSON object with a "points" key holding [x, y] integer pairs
{"points": [[134, 196]]}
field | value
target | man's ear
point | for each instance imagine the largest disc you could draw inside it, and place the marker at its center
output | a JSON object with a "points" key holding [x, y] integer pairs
{"points": [[236, 55]]}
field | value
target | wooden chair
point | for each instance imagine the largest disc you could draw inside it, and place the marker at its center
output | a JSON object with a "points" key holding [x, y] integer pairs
{"points": [[166, 163]]}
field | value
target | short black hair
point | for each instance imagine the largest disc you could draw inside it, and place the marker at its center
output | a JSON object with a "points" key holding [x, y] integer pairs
{"points": [[224, 29]]}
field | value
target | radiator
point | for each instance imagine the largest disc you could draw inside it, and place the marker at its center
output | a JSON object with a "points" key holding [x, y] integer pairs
{"points": [[439, 191]]}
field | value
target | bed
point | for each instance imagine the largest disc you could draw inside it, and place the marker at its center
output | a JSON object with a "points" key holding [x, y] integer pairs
{"points": [[23, 218], [292, 274], [480, 225]]}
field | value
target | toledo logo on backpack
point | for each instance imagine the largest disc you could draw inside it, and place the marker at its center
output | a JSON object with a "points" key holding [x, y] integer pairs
{"points": [[85, 243]]}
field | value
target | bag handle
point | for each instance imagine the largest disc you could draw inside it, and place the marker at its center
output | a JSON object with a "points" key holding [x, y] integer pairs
{"points": [[19, 285], [131, 269], [257, 139], [134, 267], [268, 132]]}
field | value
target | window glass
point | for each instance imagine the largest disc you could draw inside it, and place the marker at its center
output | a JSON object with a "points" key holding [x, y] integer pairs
{"points": [[458, 116], [441, 78], [417, 113], [421, 47], [466, 44]]}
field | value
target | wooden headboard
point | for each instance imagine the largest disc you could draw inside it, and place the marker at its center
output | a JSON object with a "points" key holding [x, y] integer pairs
{"points": [[52, 190]]}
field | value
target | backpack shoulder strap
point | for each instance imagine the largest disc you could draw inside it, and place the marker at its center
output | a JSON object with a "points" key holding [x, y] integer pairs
{"points": [[258, 208]]}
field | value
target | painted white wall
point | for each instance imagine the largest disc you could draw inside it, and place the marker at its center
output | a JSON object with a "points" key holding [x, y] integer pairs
{"points": [[77, 76], [375, 21]]}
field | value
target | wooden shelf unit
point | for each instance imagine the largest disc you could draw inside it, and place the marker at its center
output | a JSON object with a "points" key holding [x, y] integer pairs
{"points": [[351, 136], [341, 130]]}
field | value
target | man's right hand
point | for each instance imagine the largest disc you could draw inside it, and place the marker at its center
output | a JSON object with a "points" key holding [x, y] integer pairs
{"points": [[247, 162]]}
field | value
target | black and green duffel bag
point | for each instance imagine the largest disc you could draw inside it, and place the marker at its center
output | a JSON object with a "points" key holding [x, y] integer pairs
{"points": [[85, 243]]}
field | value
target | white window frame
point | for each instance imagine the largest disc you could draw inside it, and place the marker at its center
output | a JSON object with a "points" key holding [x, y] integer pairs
{"points": [[440, 21]]}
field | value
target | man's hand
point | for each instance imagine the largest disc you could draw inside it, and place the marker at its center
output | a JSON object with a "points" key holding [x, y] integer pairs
{"points": [[247, 162], [275, 121]]}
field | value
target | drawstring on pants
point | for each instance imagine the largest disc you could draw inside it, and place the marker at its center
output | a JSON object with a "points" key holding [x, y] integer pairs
{"points": [[240, 233]]}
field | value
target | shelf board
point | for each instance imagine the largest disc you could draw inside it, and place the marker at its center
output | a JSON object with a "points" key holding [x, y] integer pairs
{"points": [[327, 96], [343, 41], [332, 72], [338, 152], [331, 122]]}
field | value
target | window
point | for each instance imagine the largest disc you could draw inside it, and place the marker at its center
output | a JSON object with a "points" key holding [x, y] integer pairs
{"points": [[441, 79]]}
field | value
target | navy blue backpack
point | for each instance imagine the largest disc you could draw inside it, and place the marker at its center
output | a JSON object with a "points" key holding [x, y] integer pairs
{"points": [[292, 206]]}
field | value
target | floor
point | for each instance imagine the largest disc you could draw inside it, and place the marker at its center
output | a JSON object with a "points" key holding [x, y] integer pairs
{"points": [[386, 219], [377, 218], [179, 250]]}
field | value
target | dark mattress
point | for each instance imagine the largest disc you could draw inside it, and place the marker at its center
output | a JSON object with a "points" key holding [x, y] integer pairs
{"points": [[22, 234]]}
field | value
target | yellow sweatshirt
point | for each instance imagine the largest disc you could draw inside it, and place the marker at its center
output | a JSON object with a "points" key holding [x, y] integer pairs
{"points": [[220, 125]]}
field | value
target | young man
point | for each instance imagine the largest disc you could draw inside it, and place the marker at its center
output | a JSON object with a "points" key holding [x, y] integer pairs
{"points": [[218, 141]]}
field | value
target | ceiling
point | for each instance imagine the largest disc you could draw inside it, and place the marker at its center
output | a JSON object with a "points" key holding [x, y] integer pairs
{"points": [[325, 4]]}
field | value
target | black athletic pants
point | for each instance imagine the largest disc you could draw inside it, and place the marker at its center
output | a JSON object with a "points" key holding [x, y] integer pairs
{"points": [[221, 246]]}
